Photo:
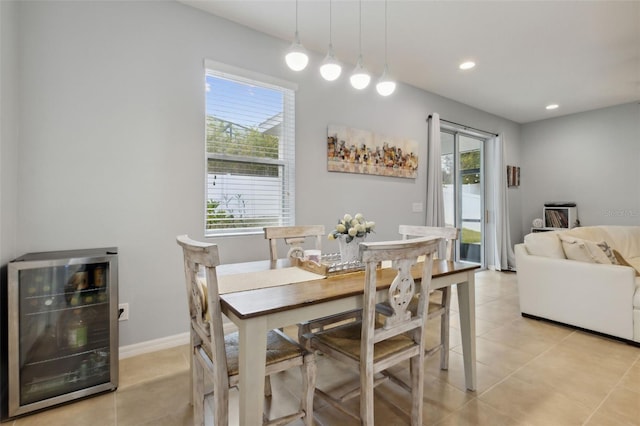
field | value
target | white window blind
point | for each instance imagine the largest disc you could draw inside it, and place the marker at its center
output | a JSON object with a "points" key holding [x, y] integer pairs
{"points": [[250, 148]]}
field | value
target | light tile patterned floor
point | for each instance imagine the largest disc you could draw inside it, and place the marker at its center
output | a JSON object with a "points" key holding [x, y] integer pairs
{"points": [[529, 373]]}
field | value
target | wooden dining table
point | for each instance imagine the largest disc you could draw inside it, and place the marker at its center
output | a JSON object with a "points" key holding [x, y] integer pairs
{"points": [[256, 308]]}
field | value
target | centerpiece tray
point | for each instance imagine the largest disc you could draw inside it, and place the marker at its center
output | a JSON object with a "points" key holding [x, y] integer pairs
{"points": [[330, 264]]}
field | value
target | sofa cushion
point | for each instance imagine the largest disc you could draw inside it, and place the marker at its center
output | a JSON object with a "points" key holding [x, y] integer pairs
{"points": [[584, 250], [545, 244], [625, 239], [590, 233], [636, 295]]}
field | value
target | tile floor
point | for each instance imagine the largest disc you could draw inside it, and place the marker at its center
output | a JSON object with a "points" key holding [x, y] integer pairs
{"points": [[529, 373]]}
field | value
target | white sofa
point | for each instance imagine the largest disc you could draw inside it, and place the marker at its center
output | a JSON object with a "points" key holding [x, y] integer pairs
{"points": [[565, 276]]}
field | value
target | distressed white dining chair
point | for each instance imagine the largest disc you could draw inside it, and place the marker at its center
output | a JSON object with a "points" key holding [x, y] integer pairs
{"points": [[216, 354], [293, 237], [442, 309], [376, 342]]}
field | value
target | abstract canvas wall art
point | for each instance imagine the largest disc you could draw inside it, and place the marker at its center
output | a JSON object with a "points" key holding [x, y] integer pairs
{"points": [[352, 150]]}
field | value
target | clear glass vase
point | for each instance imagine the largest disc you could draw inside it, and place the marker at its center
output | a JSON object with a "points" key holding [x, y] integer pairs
{"points": [[350, 251]]}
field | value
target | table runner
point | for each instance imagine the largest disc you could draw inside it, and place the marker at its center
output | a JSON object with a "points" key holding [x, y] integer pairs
{"points": [[263, 279]]}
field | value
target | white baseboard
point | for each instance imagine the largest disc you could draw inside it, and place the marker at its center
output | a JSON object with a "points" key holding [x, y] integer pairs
{"points": [[162, 343], [154, 345]]}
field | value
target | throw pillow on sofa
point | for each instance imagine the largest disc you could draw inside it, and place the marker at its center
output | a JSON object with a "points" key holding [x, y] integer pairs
{"points": [[546, 244], [584, 250], [608, 251]]}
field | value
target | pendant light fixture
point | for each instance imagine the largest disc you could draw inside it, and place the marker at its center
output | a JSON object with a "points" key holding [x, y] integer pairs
{"points": [[330, 68], [360, 78], [386, 85], [297, 58]]}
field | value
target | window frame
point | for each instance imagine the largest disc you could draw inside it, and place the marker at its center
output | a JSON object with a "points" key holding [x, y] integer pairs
{"points": [[286, 145]]}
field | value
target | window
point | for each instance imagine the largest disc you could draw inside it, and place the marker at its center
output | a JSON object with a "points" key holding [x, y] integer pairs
{"points": [[250, 149]]}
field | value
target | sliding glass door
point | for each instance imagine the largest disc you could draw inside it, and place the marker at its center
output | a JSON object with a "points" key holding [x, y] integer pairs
{"points": [[463, 192]]}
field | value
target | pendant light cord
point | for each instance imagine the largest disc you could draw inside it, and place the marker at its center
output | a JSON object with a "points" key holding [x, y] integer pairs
{"points": [[296, 17], [385, 32], [360, 29], [330, 29]]}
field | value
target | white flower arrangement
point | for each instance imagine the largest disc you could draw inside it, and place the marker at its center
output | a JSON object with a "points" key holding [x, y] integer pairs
{"points": [[352, 227]]}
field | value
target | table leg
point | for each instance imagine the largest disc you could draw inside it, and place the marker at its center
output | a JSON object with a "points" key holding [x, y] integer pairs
{"points": [[467, 309], [252, 355]]}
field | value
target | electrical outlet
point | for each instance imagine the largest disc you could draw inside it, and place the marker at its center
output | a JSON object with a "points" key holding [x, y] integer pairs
{"points": [[416, 207], [123, 312]]}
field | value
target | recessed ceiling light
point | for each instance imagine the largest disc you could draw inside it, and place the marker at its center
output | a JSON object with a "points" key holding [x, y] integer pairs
{"points": [[552, 106], [467, 65]]}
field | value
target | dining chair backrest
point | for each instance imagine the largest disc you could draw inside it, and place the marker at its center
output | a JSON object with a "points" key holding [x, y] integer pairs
{"points": [[449, 234], [294, 237], [399, 319], [403, 255], [200, 262]]}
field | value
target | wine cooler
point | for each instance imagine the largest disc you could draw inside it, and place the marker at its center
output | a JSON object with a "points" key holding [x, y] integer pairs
{"points": [[62, 327]]}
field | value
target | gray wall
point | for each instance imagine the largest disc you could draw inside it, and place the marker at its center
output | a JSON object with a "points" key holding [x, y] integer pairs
{"points": [[592, 158], [8, 172], [111, 100], [8, 132]]}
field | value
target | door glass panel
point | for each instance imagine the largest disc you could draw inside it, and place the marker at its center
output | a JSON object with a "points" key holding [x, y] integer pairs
{"points": [[470, 166], [448, 179], [462, 190]]}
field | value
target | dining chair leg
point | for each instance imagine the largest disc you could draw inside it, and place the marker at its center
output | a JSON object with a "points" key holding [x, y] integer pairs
{"points": [[366, 394], [309, 374], [267, 386], [444, 328], [416, 367], [197, 391], [191, 361], [221, 405]]}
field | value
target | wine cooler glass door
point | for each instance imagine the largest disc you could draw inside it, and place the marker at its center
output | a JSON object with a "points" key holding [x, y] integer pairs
{"points": [[63, 334]]}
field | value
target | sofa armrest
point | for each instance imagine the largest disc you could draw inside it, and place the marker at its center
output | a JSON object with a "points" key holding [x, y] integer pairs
{"points": [[592, 296]]}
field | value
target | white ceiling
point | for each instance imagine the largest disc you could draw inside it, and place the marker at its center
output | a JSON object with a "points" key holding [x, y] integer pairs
{"points": [[582, 55]]}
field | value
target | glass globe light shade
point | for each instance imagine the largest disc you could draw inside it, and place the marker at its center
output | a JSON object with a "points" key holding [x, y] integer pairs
{"points": [[386, 85], [467, 65], [360, 78], [297, 58], [386, 88], [330, 68]]}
